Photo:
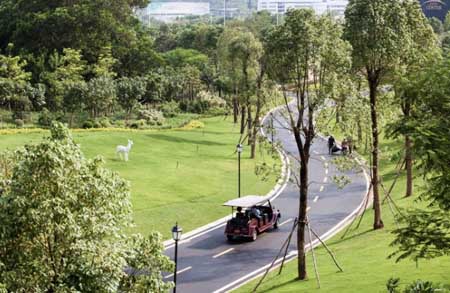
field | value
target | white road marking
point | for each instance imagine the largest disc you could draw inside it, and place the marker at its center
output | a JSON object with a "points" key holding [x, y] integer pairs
{"points": [[308, 208], [184, 241], [326, 171], [316, 199], [223, 252], [321, 188], [325, 180], [285, 222], [326, 165], [178, 272], [323, 158], [316, 152]]}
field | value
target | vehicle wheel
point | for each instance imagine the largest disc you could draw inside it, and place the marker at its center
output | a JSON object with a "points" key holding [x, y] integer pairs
{"points": [[254, 235], [230, 237]]}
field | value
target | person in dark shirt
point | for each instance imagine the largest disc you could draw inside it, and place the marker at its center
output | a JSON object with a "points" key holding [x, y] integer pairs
{"points": [[331, 143]]}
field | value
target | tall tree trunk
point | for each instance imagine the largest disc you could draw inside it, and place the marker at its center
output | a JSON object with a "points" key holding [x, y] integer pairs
{"points": [[242, 119], [256, 126], [235, 110], [409, 166], [71, 119], [249, 124], [373, 84], [301, 235], [406, 108]]}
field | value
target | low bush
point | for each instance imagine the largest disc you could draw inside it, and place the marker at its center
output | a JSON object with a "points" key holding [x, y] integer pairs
{"points": [[152, 117], [196, 106], [138, 124], [104, 122], [88, 124], [194, 124], [45, 118], [170, 109], [19, 123]]}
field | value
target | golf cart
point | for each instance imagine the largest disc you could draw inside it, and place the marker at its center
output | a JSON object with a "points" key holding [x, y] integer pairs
{"points": [[254, 215]]}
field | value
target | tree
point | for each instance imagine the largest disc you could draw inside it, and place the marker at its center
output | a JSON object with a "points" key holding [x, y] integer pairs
{"points": [[419, 51], [447, 22], [240, 53], [426, 233], [377, 32], [437, 25], [306, 54], [14, 83], [105, 64], [247, 51], [68, 69], [48, 26], [100, 96], [182, 57], [73, 98], [129, 92], [62, 223]]}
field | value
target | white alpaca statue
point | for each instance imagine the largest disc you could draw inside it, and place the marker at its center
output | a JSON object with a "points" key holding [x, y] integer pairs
{"points": [[124, 150]]}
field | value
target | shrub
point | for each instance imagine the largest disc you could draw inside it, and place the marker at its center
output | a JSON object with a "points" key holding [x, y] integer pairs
{"points": [[103, 123], [97, 124], [88, 124], [170, 109], [19, 123], [194, 124], [139, 124], [197, 106], [22, 115], [212, 100], [152, 116], [45, 118]]}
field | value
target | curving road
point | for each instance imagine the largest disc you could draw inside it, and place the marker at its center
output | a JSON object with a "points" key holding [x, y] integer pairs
{"points": [[208, 263]]}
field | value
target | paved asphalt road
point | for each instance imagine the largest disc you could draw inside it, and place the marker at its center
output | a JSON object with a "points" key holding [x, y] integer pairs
{"points": [[209, 263]]}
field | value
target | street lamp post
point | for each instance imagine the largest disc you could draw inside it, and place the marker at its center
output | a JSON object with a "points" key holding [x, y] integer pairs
{"points": [[176, 235], [239, 151]]}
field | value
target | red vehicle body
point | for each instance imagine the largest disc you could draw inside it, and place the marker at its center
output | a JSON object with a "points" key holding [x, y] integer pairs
{"points": [[245, 223]]}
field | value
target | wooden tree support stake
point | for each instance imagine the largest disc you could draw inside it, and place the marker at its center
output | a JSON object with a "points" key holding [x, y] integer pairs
{"points": [[276, 257], [327, 248], [312, 253]]}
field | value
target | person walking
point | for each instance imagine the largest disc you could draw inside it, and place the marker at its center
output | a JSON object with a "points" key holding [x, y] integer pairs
{"points": [[331, 143]]}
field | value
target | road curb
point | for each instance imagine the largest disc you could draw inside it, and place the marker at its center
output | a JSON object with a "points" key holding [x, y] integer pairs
{"points": [[273, 194]]}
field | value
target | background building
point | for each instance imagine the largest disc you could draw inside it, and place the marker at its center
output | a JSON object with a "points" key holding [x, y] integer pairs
{"points": [[170, 11], [435, 8], [335, 7]]}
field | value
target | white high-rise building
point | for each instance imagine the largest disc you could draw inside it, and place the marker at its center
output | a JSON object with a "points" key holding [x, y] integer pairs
{"points": [[335, 7]]}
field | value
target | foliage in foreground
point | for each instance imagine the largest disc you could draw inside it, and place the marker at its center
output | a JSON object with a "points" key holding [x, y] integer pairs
{"points": [[427, 232], [61, 224]]}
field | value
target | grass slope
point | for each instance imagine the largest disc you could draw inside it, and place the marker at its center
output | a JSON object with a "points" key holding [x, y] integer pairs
{"points": [[363, 253], [175, 175]]}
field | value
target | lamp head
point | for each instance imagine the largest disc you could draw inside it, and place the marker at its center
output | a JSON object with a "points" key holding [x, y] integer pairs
{"points": [[239, 148], [176, 232]]}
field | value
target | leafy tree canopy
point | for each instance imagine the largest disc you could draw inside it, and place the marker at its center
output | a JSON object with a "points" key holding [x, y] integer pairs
{"points": [[62, 220]]}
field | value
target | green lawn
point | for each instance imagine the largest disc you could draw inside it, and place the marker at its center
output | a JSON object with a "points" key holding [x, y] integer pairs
{"points": [[363, 254], [175, 175]]}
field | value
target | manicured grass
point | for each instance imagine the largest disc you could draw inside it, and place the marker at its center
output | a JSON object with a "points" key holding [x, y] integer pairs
{"points": [[175, 175], [362, 253]]}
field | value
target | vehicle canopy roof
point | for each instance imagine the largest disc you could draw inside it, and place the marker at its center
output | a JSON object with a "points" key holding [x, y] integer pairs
{"points": [[247, 201]]}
